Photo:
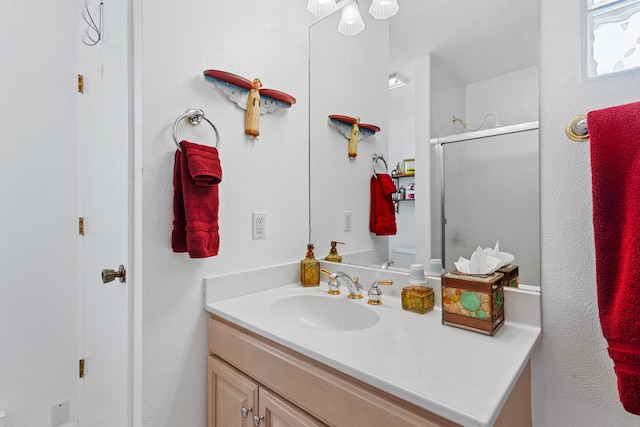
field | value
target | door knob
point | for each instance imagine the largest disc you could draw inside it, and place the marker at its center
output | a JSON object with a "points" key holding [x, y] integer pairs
{"points": [[109, 275]]}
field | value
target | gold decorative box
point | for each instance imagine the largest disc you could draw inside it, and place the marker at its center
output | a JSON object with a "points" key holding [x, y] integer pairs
{"points": [[417, 298], [510, 272], [473, 301]]}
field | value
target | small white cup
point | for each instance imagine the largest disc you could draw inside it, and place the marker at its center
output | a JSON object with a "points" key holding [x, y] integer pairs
{"points": [[416, 274], [435, 266]]}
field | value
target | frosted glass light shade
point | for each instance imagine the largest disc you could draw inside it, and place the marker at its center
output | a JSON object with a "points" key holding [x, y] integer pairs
{"points": [[351, 22], [321, 7], [383, 9]]}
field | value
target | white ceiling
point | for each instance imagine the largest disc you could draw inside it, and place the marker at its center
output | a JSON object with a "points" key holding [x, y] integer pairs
{"points": [[475, 39]]}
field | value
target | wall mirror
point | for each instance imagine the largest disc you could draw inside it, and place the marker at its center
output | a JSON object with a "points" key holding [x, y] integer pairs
{"points": [[483, 58]]}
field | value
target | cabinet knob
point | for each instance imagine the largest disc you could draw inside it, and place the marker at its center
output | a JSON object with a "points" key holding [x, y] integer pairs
{"points": [[245, 411], [257, 419]]}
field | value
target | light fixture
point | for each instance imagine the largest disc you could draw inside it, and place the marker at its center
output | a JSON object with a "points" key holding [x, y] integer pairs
{"points": [[351, 22], [321, 7], [383, 9], [397, 80]]}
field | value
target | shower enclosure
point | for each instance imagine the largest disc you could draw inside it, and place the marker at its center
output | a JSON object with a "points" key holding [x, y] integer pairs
{"points": [[485, 189]]}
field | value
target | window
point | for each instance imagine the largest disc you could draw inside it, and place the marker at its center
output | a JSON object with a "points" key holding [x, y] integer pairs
{"points": [[613, 36]]}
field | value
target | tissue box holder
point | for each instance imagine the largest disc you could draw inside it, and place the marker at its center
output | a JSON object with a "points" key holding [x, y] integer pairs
{"points": [[473, 301], [510, 272]]}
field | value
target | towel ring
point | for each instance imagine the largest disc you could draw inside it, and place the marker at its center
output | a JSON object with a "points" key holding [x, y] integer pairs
{"points": [[577, 129], [375, 158], [193, 116]]}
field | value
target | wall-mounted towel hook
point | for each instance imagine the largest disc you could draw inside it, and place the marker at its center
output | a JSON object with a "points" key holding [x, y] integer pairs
{"points": [[193, 116], [93, 34], [577, 129]]}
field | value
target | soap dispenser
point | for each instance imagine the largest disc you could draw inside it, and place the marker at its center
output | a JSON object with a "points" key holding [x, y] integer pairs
{"points": [[310, 269], [333, 252]]}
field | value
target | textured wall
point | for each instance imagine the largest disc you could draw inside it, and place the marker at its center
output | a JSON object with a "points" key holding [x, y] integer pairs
{"points": [[179, 42], [573, 379]]}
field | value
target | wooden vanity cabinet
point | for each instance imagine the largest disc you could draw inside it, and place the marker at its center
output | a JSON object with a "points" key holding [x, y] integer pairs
{"points": [[291, 389], [235, 400]]}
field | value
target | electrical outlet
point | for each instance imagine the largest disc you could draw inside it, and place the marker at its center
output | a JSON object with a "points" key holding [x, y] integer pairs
{"points": [[259, 227], [60, 413], [346, 221]]}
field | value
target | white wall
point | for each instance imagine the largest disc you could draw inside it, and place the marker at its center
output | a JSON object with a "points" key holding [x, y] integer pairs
{"points": [[402, 146], [423, 108], [179, 42], [350, 81], [573, 379], [39, 219], [447, 100], [512, 96]]}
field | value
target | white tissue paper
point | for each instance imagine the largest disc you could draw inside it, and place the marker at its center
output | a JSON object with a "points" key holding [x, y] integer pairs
{"points": [[495, 252], [484, 261]]}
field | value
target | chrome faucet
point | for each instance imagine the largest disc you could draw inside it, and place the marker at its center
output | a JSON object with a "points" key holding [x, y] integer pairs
{"points": [[355, 288], [385, 265]]}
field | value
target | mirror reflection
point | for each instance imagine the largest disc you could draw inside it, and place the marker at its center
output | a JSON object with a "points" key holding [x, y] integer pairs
{"points": [[482, 74]]}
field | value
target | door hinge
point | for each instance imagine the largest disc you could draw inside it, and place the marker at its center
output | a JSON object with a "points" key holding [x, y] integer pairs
{"points": [[81, 226], [80, 83], [81, 368]]}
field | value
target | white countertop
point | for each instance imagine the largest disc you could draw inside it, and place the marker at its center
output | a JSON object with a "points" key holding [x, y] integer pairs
{"points": [[461, 375]]}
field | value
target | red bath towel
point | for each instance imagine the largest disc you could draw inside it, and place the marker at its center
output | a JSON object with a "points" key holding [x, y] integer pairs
{"points": [[196, 175], [614, 135], [382, 214]]}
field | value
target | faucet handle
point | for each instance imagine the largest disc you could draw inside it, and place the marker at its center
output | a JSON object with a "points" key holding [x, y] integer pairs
{"points": [[375, 294], [334, 286]]}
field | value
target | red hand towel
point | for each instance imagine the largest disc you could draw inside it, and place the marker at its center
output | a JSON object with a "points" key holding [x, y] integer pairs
{"points": [[196, 175], [615, 164], [382, 214]]}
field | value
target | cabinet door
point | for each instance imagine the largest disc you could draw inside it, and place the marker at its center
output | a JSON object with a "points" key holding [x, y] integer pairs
{"points": [[233, 397], [276, 412]]}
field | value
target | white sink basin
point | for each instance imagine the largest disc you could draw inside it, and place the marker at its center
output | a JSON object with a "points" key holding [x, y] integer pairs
{"points": [[324, 312]]}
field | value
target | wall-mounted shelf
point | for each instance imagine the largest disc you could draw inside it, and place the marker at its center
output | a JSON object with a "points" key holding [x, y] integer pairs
{"points": [[401, 196]]}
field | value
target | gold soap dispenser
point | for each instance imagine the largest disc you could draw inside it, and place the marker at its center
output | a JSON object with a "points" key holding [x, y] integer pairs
{"points": [[310, 269], [333, 252]]}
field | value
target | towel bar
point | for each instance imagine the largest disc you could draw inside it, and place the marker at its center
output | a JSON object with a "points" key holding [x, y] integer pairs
{"points": [[193, 117], [375, 158], [577, 129]]}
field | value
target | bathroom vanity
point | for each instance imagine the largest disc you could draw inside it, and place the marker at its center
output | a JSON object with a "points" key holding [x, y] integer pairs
{"points": [[271, 364], [253, 380]]}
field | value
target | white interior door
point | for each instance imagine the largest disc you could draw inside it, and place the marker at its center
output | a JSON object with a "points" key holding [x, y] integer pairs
{"points": [[105, 391]]}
